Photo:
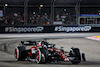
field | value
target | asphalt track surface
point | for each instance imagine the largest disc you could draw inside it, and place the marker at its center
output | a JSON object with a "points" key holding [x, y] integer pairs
{"points": [[90, 47]]}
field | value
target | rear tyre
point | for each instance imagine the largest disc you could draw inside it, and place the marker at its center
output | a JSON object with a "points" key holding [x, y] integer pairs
{"points": [[20, 53], [77, 56], [42, 55]]}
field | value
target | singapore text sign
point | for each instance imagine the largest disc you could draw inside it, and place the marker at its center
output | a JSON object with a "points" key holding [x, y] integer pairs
{"points": [[47, 29], [72, 29], [24, 29]]}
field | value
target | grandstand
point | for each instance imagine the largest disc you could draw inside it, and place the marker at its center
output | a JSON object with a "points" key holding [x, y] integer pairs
{"points": [[49, 13]]}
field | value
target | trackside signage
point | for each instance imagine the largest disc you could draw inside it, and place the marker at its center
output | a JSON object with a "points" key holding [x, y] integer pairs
{"points": [[24, 29], [72, 29], [47, 29]]}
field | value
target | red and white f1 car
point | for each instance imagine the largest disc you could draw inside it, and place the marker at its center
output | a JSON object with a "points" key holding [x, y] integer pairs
{"points": [[42, 52]]}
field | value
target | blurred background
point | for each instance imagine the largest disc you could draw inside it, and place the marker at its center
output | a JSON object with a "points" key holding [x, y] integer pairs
{"points": [[49, 12]]}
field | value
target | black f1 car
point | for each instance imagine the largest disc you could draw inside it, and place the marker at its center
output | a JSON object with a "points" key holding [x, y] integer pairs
{"points": [[42, 52]]}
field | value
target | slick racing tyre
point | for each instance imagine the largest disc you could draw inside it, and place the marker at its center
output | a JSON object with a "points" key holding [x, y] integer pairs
{"points": [[20, 54], [41, 55], [77, 56]]}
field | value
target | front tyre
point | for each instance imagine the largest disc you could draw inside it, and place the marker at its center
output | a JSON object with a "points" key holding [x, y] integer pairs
{"points": [[76, 53], [41, 55]]}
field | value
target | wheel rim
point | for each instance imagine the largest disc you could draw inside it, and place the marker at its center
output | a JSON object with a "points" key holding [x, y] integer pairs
{"points": [[38, 57], [16, 53]]}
